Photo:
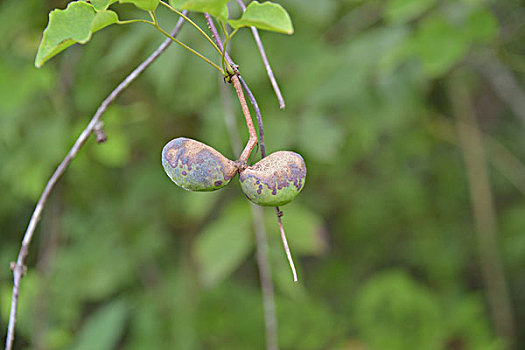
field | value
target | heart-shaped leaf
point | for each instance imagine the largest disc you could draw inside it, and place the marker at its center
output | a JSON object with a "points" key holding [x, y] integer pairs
{"points": [[73, 25], [266, 16], [146, 5], [101, 4], [103, 19], [216, 8]]}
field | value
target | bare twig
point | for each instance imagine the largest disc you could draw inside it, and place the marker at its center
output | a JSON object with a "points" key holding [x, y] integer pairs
{"points": [[217, 38], [285, 243], [483, 211], [269, 71], [19, 267]]}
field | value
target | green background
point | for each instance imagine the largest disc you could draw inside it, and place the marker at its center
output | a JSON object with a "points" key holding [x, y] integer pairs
{"points": [[383, 233]]}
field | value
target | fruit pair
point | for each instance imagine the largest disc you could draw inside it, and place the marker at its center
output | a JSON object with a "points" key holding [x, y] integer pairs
{"points": [[275, 180]]}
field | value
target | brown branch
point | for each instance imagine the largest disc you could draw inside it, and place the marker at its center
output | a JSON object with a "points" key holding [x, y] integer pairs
{"points": [[257, 114], [252, 141], [262, 52], [483, 210], [19, 267]]}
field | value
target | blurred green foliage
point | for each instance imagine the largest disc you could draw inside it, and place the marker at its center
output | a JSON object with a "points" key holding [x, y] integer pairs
{"points": [[382, 234]]}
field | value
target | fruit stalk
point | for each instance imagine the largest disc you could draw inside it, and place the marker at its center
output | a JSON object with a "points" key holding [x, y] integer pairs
{"points": [[252, 141]]}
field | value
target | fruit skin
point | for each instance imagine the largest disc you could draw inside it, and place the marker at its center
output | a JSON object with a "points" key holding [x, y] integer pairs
{"points": [[196, 166], [274, 180]]}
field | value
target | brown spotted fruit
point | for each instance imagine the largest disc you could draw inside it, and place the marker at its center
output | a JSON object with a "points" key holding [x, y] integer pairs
{"points": [[196, 166], [274, 180]]}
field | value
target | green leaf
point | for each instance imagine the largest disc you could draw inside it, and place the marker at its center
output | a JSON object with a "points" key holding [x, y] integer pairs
{"points": [[104, 328], [101, 4], [73, 25], [266, 16], [400, 11], [224, 244], [65, 27], [146, 5], [103, 19], [216, 8]]}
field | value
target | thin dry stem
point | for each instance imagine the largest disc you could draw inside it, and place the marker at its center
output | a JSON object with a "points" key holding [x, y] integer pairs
{"points": [[269, 70], [285, 244], [19, 267], [217, 38], [257, 114], [252, 141]]}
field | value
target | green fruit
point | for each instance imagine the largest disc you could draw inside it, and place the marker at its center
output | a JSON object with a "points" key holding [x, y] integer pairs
{"points": [[195, 166], [274, 180]]}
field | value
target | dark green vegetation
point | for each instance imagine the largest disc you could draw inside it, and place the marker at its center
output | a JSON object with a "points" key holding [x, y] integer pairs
{"points": [[383, 233]]}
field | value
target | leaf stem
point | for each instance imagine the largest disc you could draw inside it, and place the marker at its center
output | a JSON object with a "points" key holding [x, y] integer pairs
{"points": [[135, 21], [227, 39], [156, 25], [193, 24]]}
